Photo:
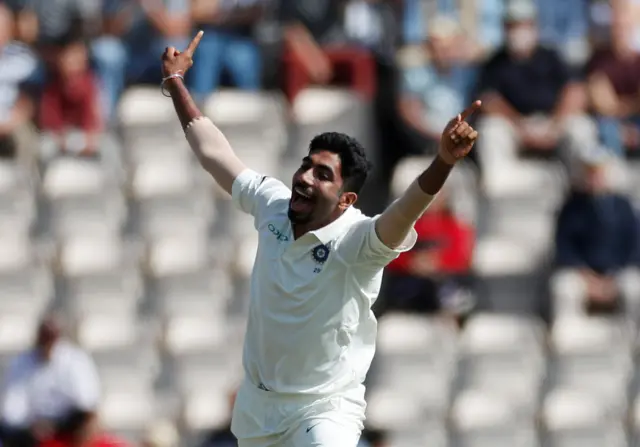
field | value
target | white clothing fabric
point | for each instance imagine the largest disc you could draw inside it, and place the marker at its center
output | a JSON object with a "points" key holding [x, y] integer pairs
{"points": [[310, 332], [37, 390], [310, 327], [266, 419]]}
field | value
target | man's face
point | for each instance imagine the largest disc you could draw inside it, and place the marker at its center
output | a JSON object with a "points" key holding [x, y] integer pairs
{"points": [[47, 336], [317, 190], [522, 37], [440, 49]]}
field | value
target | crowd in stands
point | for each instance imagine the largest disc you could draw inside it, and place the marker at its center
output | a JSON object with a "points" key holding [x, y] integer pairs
{"points": [[559, 80]]}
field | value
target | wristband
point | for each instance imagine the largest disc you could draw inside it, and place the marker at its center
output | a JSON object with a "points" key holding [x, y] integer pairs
{"points": [[164, 80]]}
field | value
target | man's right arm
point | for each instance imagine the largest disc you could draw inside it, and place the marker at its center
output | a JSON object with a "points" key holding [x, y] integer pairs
{"points": [[207, 141]]}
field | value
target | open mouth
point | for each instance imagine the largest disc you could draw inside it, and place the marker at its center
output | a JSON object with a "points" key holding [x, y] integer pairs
{"points": [[301, 200]]}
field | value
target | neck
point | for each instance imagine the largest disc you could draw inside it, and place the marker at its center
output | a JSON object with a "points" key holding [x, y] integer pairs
{"points": [[300, 230]]}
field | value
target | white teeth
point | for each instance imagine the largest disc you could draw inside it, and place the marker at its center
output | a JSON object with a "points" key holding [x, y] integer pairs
{"points": [[300, 192]]}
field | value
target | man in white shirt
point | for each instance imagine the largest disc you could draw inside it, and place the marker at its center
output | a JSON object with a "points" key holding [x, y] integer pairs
{"points": [[311, 334], [51, 389]]}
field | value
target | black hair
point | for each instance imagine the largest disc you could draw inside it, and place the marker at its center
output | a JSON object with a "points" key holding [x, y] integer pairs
{"points": [[355, 166]]}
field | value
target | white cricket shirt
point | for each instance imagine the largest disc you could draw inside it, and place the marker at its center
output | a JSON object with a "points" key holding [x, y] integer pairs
{"points": [[36, 390], [310, 327]]}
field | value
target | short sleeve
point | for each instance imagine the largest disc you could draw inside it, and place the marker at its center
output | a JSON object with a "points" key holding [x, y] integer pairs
{"points": [[85, 384], [362, 245], [254, 193], [14, 408]]}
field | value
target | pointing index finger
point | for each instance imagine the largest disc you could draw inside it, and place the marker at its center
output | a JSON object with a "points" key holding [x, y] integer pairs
{"points": [[470, 110], [194, 43]]}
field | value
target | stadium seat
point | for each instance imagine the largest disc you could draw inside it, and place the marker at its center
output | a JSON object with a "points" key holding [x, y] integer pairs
{"points": [[141, 106], [503, 256], [478, 409], [317, 110], [251, 121], [26, 284], [593, 355], [178, 254], [17, 203], [127, 408], [17, 331], [503, 354], [481, 418], [574, 419], [416, 359], [100, 274], [203, 292], [82, 198], [205, 410], [132, 366], [388, 409], [194, 333], [150, 128], [103, 331], [218, 370]]}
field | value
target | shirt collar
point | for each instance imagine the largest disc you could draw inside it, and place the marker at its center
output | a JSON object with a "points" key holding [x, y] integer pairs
{"points": [[336, 228]]}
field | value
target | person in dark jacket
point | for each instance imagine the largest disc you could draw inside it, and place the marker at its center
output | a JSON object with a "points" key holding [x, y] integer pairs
{"points": [[596, 241]]}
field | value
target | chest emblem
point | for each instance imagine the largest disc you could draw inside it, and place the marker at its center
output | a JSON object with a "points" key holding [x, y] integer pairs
{"points": [[320, 253]]}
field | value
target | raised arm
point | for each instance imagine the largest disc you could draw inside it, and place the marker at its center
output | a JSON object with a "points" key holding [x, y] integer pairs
{"points": [[395, 223], [207, 141]]}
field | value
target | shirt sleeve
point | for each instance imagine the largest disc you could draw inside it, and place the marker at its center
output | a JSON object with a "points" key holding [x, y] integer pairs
{"points": [[85, 383], [14, 406], [362, 246], [255, 193]]}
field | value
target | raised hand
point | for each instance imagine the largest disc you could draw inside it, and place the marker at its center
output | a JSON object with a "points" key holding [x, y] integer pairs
{"points": [[458, 136], [175, 62]]}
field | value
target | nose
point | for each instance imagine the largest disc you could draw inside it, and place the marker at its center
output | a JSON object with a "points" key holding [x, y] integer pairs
{"points": [[307, 177]]}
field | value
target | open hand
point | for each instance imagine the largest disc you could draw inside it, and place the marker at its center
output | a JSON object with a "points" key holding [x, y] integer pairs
{"points": [[176, 62], [458, 137]]}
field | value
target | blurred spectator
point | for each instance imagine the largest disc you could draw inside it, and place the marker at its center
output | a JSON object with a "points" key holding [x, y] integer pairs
{"points": [[316, 48], [435, 275], [17, 64], [435, 90], [565, 26], [135, 32], [596, 238], [161, 434], [57, 19], [614, 88], [223, 437], [70, 101], [228, 44], [49, 391], [531, 100]]}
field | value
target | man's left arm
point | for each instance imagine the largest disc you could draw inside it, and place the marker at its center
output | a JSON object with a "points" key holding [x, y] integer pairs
{"points": [[396, 223]]}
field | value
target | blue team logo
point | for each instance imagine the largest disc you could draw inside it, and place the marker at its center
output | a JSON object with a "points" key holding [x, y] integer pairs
{"points": [[320, 253]]}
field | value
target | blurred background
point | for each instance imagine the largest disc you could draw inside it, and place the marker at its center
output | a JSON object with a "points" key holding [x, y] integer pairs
{"points": [[124, 270]]}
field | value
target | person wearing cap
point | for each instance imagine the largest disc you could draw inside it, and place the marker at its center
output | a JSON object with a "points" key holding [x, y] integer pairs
{"points": [[49, 391], [533, 99], [435, 89], [596, 239]]}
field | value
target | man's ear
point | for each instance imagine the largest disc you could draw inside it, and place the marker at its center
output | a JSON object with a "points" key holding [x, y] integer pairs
{"points": [[347, 199]]}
